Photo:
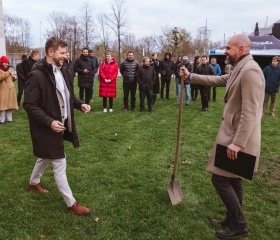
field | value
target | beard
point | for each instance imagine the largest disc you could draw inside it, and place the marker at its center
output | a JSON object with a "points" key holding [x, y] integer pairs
{"points": [[230, 60], [58, 61]]}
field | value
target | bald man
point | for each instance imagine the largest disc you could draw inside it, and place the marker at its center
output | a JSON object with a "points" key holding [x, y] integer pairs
{"points": [[240, 128]]}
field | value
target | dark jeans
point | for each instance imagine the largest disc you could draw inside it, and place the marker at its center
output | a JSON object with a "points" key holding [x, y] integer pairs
{"points": [[230, 191], [129, 88], [214, 93], [204, 96], [165, 81], [149, 94], [91, 90], [194, 91], [105, 102], [85, 92], [20, 91]]}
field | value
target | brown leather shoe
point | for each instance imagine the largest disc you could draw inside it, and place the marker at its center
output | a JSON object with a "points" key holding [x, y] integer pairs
{"points": [[38, 187], [79, 209]]}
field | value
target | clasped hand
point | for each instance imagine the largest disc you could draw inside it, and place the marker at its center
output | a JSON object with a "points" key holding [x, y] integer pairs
{"points": [[107, 80]]}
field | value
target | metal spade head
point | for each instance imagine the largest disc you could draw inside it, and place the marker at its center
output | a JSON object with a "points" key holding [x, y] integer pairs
{"points": [[175, 192]]}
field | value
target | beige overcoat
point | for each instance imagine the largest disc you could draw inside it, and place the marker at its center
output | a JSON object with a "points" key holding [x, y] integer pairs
{"points": [[8, 99], [243, 103]]}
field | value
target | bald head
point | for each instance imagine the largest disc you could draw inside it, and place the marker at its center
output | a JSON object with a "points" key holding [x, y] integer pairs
{"points": [[239, 45], [241, 40]]}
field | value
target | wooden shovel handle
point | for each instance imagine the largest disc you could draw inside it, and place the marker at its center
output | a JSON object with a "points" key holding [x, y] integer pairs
{"points": [[177, 155]]}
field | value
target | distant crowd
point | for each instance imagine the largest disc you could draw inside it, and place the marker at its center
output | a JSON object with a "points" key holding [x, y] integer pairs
{"points": [[152, 77]]}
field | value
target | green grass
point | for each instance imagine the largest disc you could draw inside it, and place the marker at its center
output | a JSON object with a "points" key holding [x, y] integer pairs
{"points": [[121, 172]]}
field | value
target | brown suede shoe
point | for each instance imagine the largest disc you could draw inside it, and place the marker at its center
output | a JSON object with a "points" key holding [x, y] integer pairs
{"points": [[38, 187], [79, 209]]}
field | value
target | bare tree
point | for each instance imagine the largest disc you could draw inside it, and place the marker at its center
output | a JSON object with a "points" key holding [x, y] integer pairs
{"points": [[86, 22], [148, 44], [17, 34], [116, 21], [103, 34], [65, 27]]}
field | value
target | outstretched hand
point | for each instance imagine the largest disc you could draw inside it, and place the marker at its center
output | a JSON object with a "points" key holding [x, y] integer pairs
{"points": [[85, 108]]}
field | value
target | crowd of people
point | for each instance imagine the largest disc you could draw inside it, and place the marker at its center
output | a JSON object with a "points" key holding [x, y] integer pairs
{"points": [[49, 102]]}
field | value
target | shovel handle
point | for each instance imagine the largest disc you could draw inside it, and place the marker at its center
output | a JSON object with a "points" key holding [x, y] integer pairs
{"points": [[177, 155]]}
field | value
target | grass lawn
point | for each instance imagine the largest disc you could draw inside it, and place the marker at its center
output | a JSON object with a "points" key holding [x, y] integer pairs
{"points": [[121, 171]]}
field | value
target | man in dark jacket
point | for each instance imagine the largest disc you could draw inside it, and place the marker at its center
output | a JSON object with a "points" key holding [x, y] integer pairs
{"points": [[21, 79], [69, 64], [272, 82], [205, 68], [84, 67], [128, 70], [155, 64], [95, 69], [166, 70], [28, 63], [49, 102], [146, 78]]}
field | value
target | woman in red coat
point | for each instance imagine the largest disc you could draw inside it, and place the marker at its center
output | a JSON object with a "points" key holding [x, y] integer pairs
{"points": [[108, 72]]}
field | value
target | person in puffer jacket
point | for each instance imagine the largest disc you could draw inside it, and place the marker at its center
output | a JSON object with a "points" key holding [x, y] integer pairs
{"points": [[272, 82], [128, 70], [108, 72]]}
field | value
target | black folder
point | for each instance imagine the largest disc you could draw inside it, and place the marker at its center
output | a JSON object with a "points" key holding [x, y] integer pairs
{"points": [[243, 166]]}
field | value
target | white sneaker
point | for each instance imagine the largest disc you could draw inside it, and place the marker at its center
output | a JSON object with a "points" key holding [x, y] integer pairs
{"points": [[104, 109], [111, 110]]}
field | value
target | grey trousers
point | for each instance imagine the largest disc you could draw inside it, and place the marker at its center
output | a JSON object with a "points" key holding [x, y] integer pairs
{"points": [[230, 191]]}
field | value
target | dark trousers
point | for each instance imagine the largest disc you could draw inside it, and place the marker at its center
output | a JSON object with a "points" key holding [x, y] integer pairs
{"points": [[149, 94], [129, 88], [85, 92], [230, 191], [214, 93], [163, 82], [194, 91], [20, 91], [204, 96], [105, 102], [91, 89]]}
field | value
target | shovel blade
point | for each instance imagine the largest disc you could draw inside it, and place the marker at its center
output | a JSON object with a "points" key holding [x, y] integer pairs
{"points": [[175, 192]]}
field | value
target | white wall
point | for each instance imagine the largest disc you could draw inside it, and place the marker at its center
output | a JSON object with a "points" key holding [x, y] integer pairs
{"points": [[2, 36]]}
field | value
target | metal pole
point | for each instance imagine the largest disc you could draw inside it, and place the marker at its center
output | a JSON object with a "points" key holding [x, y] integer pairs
{"points": [[40, 42]]}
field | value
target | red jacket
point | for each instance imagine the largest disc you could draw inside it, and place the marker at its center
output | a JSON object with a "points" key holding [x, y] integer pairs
{"points": [[108, 71]]}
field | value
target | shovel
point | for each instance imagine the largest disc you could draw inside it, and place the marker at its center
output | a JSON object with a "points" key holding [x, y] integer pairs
{"points": [[174, 189]]}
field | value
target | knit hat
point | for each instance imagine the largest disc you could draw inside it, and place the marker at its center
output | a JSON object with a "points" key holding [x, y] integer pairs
{"points": [[4, 59], [185, 58]]}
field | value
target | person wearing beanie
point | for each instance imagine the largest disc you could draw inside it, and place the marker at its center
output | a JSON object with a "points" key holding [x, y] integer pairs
{"points": [[8, 100]]}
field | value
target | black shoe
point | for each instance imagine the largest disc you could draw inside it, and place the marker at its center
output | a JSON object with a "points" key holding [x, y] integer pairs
{"points": [[223, 223], [227, 233]]}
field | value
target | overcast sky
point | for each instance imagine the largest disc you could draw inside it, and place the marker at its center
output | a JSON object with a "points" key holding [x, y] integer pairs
{"points": [[146, 17]]}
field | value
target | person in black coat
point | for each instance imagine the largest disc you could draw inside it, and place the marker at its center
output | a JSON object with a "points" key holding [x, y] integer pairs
{"points": [[154, 62], [84, 67], [95, 68], [28, 63], [205, 68], [21, 79], [146, 78], [49, 102], [166, 70]]}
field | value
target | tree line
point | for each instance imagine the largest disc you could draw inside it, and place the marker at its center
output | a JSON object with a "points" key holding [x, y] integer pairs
{"points": [[105, 32]]}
